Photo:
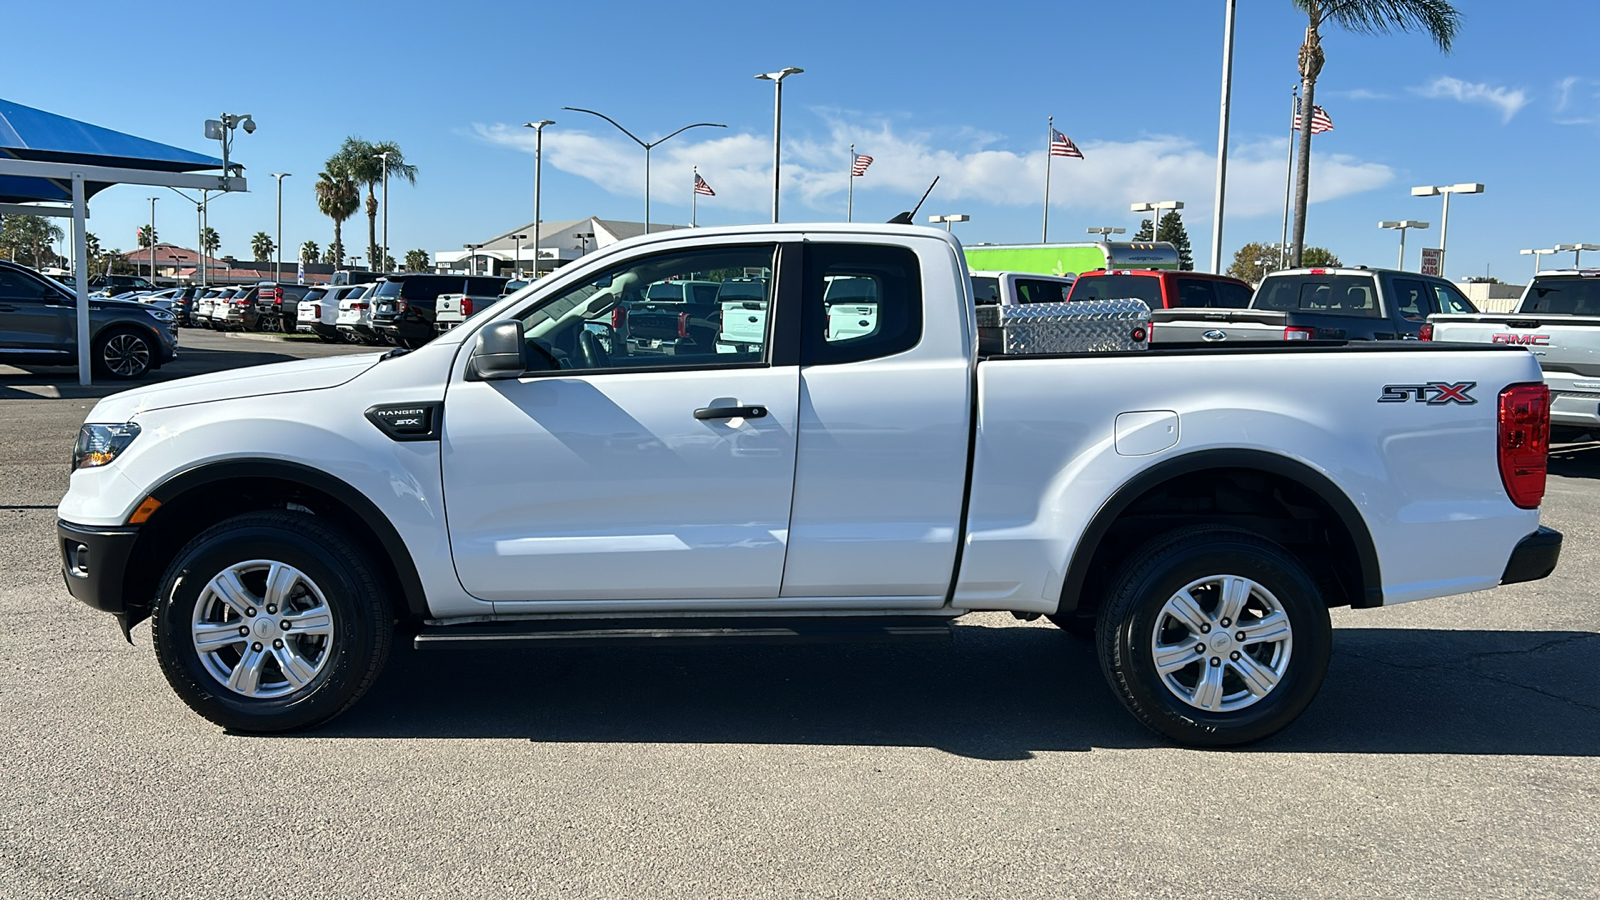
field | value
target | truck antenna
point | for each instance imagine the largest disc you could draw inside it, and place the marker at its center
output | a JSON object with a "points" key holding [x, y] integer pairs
{"points": [[906, 218]]}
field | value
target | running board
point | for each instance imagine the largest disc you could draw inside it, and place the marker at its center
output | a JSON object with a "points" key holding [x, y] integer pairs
{"points": [[706, 630]]}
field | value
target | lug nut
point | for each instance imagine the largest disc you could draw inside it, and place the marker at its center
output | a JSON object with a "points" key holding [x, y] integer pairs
{"points": [[279, 645], [1225, 622], [273, 609], [1215, 660], [1234, 656], [257, 647], [243, 631], [251, 611], [1205, 629], [284, 624], [1200, 649]]}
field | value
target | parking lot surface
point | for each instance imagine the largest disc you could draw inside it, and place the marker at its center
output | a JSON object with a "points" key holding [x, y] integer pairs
{"points": [[1454, 751]]}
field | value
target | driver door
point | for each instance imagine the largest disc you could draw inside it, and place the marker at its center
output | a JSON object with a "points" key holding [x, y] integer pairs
{"points": [[619, 472]]}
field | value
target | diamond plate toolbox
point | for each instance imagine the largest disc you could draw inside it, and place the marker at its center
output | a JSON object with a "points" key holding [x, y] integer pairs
{"points": [[1085, 326]]}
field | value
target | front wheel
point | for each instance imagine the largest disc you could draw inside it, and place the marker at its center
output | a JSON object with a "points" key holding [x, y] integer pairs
{"points": [[123, 354], [271, 622], [1214, 637]]}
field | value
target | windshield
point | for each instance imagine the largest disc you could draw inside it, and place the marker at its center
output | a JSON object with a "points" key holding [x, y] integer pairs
{"points": [[1572, 295]]}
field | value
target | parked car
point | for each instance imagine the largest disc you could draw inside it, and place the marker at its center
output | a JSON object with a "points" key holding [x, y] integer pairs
{"points": [[452, 309], [183, 302], [318, 312], [39, 326], [673, 317], [113, 285], [1558, 319], [1163, 289], [271, 301], [403, 307], [1014, 288], [208, 306], [1349, 304], [355, 314], [1196, 509], [742, 326], [239, 312]]}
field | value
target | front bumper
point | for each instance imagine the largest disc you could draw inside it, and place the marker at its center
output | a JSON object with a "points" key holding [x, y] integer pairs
{"points": [[94, 560], [1535, 557]]}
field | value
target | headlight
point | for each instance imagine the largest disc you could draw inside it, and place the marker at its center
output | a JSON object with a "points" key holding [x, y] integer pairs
{"points": [[99, 444], [161, 315]]}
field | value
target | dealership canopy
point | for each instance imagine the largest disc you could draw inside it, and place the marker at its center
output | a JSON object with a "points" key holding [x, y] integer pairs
{"points": [[50, 159]]}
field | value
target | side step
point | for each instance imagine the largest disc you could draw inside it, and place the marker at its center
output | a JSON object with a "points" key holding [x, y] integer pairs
{"points": [[699, 630]]}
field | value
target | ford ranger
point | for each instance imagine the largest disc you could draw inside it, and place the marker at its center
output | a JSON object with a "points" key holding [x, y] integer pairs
{"points": [[513, 483]]}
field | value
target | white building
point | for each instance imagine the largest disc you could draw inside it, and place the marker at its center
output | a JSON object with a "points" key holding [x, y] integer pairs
{"points": [[559, 244]]}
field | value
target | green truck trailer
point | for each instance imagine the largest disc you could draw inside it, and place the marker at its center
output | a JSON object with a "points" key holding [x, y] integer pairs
{"points": [[1071, 259]]}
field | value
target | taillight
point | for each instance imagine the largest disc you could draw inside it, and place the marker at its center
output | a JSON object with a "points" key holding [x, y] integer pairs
{"points": [[1426, 332], [466, 306], [358, 306], [1524, 442], [1298, 333], [316, 310], [400, 304], [683, 325], [619, 317]]}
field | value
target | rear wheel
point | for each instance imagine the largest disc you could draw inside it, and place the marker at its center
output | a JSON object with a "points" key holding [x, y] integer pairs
{"points": [[1214, 637], [271, 622]]}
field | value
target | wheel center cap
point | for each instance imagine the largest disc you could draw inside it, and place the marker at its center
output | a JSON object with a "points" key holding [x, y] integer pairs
{"points": [[264, 627], [1220, 642]]}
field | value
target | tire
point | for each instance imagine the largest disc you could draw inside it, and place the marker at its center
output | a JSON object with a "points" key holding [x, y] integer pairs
{"points": [[1209, 701], [123, 353], [304, 676]]}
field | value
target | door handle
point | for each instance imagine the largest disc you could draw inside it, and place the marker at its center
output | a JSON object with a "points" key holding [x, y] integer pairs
{"points": [[730, 412]]}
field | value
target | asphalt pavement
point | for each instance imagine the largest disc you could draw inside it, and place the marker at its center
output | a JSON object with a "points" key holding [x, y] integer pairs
{"points": [[1452, 752]]}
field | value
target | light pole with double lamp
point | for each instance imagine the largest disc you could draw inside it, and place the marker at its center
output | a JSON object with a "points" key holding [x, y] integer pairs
{"points": [[584, 237], [1401, 226], [277, 251], [777, 126], [518, 238], [948, 220], [1154, 208], [1106, 231], [646, 147], [1577, 252], [384, 265], [472, 257], [538, 152], [1536, 254], [1431, 190]]}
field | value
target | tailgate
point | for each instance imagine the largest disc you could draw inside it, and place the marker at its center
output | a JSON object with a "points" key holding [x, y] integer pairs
{"points": [[1198, 325], [1569, 344]]}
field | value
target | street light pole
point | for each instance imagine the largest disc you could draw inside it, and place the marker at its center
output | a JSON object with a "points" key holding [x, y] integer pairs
{"points": [[1222, 139], [1401, 226], [646, 147], [153, 239], [1444, 221], [1536, 254], [948, 220], [277, 256], [384, 265], [777, 128], [1106, 231], [518, 238], [538, 153], [1154, 209], [1577, 252]]}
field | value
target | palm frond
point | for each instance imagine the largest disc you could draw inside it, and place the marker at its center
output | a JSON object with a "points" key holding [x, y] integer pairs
{"points": [[1438, 19]]}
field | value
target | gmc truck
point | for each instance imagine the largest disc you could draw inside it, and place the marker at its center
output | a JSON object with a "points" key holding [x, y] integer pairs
{"points": [[514, 484], [1558, 320]]}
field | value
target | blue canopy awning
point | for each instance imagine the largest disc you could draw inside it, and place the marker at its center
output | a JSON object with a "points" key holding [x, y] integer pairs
{"points": [[33, 134]]}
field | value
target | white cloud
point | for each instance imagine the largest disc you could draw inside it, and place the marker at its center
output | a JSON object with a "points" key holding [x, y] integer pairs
{"points": [[1358, 94], [1506, 100], [970, 168]]}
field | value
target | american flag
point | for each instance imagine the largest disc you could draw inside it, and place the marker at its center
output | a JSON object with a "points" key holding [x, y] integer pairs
{"points": [[1319, 118], [700, 186], [1061, 145], [859, 167]]}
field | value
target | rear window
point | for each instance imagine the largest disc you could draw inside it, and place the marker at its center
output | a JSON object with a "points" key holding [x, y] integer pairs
{"points": [[482, 287], [1571, 295], [1119, 287], [388, 289], [1038, 291], [1332, 295], [986, 291]]}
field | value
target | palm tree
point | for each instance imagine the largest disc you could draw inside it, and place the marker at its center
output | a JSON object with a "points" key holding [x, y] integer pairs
{"points": [[338, 198], [309, 252], [416, 260], [261, 245], [1438, 18], [360, 160], [146, 236]]}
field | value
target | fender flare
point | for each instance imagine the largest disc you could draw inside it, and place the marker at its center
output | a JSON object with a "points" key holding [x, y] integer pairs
{"points": [[1259, 460], [358, 503]]}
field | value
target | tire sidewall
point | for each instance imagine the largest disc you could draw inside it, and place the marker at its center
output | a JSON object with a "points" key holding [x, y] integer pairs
{"points": [[1268, 566], [352, 642]]}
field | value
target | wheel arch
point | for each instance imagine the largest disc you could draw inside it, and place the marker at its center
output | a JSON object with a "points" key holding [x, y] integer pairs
{"points": [[1342, 510], [195, 498]]}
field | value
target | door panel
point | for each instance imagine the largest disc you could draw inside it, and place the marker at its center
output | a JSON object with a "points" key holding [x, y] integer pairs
{"points": [[27, 322]]}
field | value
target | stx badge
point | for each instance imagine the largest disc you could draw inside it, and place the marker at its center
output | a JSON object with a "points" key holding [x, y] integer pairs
{"points": [[1434, 393]]}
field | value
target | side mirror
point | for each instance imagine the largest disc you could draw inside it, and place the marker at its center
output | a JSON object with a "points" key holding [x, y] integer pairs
{"points": [[500, 353]]}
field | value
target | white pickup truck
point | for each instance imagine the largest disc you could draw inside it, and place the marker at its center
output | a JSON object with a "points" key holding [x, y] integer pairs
{"points": [[1558, 320], [515, 483]]}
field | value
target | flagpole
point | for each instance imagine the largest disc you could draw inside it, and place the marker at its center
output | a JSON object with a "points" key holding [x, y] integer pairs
{"points": [[694, 199], [1288, 183], [1049, 136], [850, 195]]}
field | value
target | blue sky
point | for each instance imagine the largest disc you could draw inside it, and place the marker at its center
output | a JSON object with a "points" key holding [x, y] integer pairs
{"points": [[933, 88]]}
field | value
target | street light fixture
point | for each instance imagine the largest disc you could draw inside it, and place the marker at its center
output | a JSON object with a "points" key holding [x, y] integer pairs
{"points": [[1466, 187], [1106, 231], [1401, 226], [584, 237], [518, 238], [1577, 252], [472, 258], [538, 152], [947, 220], [1154, 209], [277, 254], [1538, 253], [777, 126], [222, 130], [646, 147]]}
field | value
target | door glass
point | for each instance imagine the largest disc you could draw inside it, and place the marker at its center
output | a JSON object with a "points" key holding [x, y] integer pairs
{"points": [[666, 311], [861, 301], [1195, 292], [985, 290], [16, 287], [1451, 300], [1411, 299], [1033, 291]]}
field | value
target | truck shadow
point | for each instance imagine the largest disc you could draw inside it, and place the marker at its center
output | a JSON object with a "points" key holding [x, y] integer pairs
{"points": [[995, 693], [61, 382], [1576, 460]]}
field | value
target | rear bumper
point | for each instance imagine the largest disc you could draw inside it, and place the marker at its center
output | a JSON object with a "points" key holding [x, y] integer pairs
{"points": [[1535, 557], [93, 562], [1574, 399]]}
